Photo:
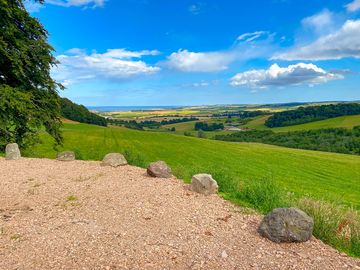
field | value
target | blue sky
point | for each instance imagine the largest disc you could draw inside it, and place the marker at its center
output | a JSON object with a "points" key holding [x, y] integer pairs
{"points": [[185, 52]]}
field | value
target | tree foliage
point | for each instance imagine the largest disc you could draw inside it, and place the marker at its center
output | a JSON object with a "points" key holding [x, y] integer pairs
{"points": [[338, 140], [311, 114], [208, 127], [80, 113], [28, 95], [150, 124]]}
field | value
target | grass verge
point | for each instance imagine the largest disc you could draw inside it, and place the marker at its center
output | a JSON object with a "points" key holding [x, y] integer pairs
{"points": [[334, 224]]}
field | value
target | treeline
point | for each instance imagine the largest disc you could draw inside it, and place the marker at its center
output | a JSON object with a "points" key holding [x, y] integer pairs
{"points": [[241, 114], [206, 127], [148, 123], [134, 124], [338, 140], [80, 113], [311, 114], [178, 120]]}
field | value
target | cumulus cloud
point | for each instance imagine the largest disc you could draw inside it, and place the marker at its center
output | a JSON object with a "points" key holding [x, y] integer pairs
{"points": [[297, 74], [353, 6], [345, 42], [184, 60], [77, 3], [116, 64], [247, 46]]}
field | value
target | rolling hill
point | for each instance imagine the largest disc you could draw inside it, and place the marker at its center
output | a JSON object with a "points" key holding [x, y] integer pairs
{"points": [[348, 121]]}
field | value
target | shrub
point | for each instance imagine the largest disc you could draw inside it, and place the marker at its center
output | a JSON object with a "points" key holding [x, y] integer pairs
{"points": [[201, 134]]}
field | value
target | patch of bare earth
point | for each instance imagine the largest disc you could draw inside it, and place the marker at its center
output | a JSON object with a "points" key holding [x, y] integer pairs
{"points": [[79, 215]]}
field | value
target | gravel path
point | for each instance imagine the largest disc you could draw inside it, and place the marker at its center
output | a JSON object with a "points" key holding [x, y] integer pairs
{"points": [[79, 215]]}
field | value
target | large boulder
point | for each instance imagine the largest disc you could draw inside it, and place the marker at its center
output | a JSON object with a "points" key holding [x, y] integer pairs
{"points": [[287, 225], [159, 169], [12, 152], [66, 156], [114, 160], [204, 184]]}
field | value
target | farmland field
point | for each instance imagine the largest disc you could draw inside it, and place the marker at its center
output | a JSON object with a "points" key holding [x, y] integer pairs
{"points": [[327, 176], [349, 121]]}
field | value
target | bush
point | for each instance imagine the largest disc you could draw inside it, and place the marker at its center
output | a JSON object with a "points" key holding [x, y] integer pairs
{"points": [[201, 134]]}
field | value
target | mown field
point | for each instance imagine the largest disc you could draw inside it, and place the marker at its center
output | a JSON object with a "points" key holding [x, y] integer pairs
{"points": [[151, 113], [327, 176], [349, 121]]}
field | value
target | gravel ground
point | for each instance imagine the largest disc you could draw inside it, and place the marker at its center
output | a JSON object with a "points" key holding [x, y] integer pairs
{"points": [[80, 215]]}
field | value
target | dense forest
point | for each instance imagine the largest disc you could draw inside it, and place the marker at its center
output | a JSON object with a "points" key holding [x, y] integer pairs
{"points": [[313, 113], [338, 140], [80, 113], [208, 127]]}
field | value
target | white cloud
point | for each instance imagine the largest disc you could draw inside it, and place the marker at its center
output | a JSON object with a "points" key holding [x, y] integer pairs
{"points": [[345, 42], [76, 3], [248, 37], [196, 9], [247, 46], [184, 60], [200, 84], [353, 6], [76, 65], [298, 74], [320, 22]]}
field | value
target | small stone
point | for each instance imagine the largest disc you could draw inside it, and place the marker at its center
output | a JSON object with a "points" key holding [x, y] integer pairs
{"points": [[12, 152], [66, 156], [287, 225], [114, 160], [159, 169], [204, 184], [224, 255]]}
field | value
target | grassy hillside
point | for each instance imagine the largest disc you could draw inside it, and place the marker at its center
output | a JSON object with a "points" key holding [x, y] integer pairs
{"points": [[322, 175], [349, 121]]}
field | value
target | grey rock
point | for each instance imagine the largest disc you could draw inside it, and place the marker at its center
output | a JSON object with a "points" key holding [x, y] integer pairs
{"points": [[287, 225], [204, 184], [159, 169], [114, 160], [12, 152], [66, 156]]}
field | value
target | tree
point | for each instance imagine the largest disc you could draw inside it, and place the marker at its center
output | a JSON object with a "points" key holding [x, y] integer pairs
{"points": [[29, 97], [80, 113], [201, 134]]}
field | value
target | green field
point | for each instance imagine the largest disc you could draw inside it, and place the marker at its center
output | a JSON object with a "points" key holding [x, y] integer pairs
{"points": [[349, 121], [258, 123], [146, 115], [327, 176]]}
